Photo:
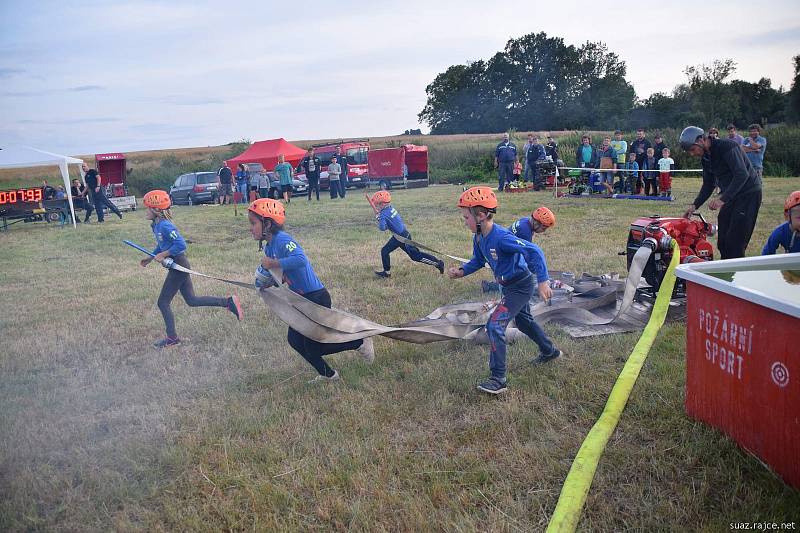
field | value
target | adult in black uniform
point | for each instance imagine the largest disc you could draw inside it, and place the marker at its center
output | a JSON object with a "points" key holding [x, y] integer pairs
{"points": [[725, 166], [98, 194]]}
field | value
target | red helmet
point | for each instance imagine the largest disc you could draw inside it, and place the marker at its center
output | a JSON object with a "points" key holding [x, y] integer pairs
{"points": [[269, 208], [544, 216], [157, 199], [792, 201], [382, 196], [478, 197]]}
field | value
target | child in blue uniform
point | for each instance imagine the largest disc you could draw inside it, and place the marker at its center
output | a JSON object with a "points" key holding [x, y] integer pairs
{"points": [[282, 251], [525, 228], [510, 258], [389, 218], [170, 248], [787, 235]]}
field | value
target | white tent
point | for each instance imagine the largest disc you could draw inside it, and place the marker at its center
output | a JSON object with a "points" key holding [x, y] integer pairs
{"points": [[25, 156]]}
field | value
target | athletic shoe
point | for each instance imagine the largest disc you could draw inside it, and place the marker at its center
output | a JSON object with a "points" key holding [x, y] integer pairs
{"points": [[493, 385], [545, 358], [167, 341], [440, 266], [325, 379], [235, 307], [383, 274], [367, 350], [119, 215]]}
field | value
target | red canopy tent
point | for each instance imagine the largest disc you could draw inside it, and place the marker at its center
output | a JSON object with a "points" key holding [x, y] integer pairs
{"points": [[266, 153]]}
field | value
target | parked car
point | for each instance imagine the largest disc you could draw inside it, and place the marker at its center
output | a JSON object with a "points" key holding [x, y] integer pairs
{"points": [[299, 186], [195, 188]]}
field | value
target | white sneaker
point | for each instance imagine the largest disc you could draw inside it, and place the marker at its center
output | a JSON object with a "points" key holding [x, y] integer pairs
{"points": [[324, 379], [367, 350]]}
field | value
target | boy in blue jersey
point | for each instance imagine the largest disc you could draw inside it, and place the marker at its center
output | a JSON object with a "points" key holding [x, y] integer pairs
{"points": [[389, 218], [170, 249], [512, 260], [539, 221], [787, 235], [282, 251]]}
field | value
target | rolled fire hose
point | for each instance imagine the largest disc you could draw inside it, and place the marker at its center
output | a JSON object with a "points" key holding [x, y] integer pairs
{"points": [[450, 322]]}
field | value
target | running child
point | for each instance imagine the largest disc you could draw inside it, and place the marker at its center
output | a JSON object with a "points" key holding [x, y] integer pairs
{"points": [[170, 248], [510, 259], [665, 165], [267, 217], [389, 218], [525, 228], [787, 234]]}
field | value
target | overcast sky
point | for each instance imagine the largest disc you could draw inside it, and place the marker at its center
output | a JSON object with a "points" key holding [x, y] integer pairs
{"points": [[91, 77]]}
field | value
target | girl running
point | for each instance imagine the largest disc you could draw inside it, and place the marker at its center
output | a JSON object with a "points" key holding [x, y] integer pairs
{"points": [[267, 217], [169, 250]]}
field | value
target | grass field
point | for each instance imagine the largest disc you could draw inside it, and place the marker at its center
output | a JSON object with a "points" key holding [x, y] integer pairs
{"points": [[99, 431]]}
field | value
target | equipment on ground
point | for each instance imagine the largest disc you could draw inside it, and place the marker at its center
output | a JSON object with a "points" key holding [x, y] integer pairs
{"points": [[657, 232]]}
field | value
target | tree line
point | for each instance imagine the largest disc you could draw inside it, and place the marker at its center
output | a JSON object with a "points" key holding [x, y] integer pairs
{"points": [[540, 82]]}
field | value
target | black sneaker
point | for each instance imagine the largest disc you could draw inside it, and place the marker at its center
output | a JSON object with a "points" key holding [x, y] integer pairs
{"points": [[493, 385], [545, 358], [167, 341], [119, 215], [440, 266], [383, 274]]}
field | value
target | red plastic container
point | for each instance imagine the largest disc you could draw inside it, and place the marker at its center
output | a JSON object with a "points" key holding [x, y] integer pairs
{"points": [[743, 361]]}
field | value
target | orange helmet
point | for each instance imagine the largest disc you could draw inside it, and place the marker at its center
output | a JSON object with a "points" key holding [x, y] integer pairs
{"points": [[382, 196], [792, 201], [269, 208], [157, 199], [478, 197], [544, 216]]}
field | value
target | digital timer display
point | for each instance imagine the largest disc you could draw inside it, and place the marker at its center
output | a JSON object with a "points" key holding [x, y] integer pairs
{"points": [[20, 195]]}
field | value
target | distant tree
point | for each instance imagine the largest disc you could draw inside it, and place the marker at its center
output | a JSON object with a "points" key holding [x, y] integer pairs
{"points": [[793, 101], [536, 82], [412, 132]]}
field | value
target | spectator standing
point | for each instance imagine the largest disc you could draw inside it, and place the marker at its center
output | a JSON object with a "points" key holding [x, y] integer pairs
{"points": [[536, 153], [713, 133], [608, 160], [726, 166], [658, 148], [639, 147], [284, 172], [551, 148], [665, 167], [61, 194], [586, 155], [312, 165], [94, 182], [504, 156], [242, 181], [648, 169], [525, 149], [342, 160], [334, 177], [517, 170], [754, 146], [630, 181], [734, 136], [225, 178], [263, 184], [620, 146]]}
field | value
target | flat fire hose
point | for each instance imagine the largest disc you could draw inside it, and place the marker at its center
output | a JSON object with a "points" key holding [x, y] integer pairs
{"points": [[451, 322], [415, 244]]}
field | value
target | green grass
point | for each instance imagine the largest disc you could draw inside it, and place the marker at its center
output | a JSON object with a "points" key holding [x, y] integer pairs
{"points": [[98, 431]]}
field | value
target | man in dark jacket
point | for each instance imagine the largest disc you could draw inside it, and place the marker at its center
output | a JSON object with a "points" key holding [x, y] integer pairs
{"points": [[505, 155], [725, 166], [639, 147], [98, 193], [536, 152], [311, 165], [658, 149]]}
